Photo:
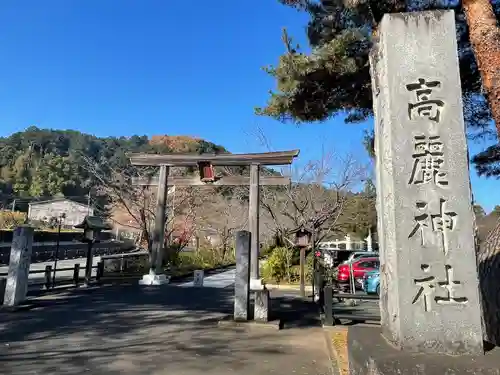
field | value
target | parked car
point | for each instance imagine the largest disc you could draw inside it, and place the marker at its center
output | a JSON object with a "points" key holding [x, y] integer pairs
{"points": [[371, 282], [359, 269], [356, 255]]}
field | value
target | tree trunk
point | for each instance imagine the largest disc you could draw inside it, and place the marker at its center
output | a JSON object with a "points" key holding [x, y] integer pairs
{"points": [[488, 260], [484, 36]]}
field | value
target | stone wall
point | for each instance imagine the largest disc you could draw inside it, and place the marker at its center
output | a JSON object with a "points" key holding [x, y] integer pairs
{"points": [[132, 263], [43, 211]]}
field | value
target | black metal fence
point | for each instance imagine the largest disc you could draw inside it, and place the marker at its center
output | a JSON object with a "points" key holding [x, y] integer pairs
{"points": [[113, 268], [49, 282], [44, 253], [332, 301], [334, 312]]}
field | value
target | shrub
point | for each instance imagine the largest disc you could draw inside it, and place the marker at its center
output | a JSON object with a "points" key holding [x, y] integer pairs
{"points": [[11, 220], [171, 254], [266, 251], [294, 275], [279, 265], [223, 254], [206, 258], [308, 270], [202, 259]]}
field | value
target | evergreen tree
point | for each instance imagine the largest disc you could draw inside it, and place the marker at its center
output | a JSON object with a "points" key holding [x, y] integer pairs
{"points": [[335, 78], [44, 162]]}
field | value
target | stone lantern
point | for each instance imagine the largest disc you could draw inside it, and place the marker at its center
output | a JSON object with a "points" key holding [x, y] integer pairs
{"points": [[92, 227]]}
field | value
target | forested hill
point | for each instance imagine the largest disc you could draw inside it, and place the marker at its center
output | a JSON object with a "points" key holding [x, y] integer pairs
{"points": [[44, 162]]}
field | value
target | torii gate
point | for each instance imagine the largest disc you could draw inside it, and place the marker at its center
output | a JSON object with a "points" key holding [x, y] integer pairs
{"points": [[207, 177]]}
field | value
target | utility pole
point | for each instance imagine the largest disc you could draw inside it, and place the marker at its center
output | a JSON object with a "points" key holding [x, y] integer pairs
{"points": [[172, 228], [88, 203]]}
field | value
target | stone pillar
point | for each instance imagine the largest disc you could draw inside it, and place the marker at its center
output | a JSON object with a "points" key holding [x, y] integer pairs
{"points": [[429, 285], [19, 266], [253, 223], [261, 311], [242, 278], [156, 276]]}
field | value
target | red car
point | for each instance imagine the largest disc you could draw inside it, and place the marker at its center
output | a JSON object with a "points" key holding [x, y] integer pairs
{"points": [[359, 268]]}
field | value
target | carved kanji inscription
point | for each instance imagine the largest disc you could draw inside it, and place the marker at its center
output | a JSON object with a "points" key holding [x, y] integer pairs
{"points": [[428, 285], [425, 106], [428, 160], [442, 222]]}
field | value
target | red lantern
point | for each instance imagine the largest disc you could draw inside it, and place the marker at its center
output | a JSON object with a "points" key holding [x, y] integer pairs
{"points": [[207, 173]]}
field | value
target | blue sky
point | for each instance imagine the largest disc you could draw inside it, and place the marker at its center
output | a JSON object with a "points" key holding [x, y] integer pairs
{"points": [[124, 67]]}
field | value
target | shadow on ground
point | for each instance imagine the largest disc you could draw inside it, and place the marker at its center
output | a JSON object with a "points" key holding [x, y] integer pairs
{"points": [[364, 308], [129, 329]]}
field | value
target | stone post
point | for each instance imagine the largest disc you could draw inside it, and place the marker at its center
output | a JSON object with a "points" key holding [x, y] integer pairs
{"points": [[429, 285], [261, 310], [198, 277], [242, 278], [19, 266]]}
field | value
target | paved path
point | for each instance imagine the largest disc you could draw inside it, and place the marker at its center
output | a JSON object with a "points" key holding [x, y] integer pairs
{"points": [[170, 330], [219, 280], [226, 280]]}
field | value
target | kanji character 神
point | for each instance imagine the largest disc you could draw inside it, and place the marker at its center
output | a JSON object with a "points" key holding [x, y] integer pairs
{"points": [[442, 222]]}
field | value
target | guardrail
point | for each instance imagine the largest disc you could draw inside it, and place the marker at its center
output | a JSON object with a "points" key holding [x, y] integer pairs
{"points": [[332, 317], [46, 252], [49, 281], [51, 236]]}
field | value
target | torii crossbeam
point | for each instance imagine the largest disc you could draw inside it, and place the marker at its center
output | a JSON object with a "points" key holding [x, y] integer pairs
{"points": [[205, 163]]}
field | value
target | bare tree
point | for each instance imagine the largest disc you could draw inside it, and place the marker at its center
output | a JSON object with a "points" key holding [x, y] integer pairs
{"points": [[228, 216], [134, 206], [316, 198]]}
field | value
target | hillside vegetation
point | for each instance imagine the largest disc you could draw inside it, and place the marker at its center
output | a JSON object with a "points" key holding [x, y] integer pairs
{"points": [[42, 162]]}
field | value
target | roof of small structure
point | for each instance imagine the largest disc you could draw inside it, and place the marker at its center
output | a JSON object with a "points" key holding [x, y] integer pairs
{"points": [[300, 228], [33, 203], [93, 222]]}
